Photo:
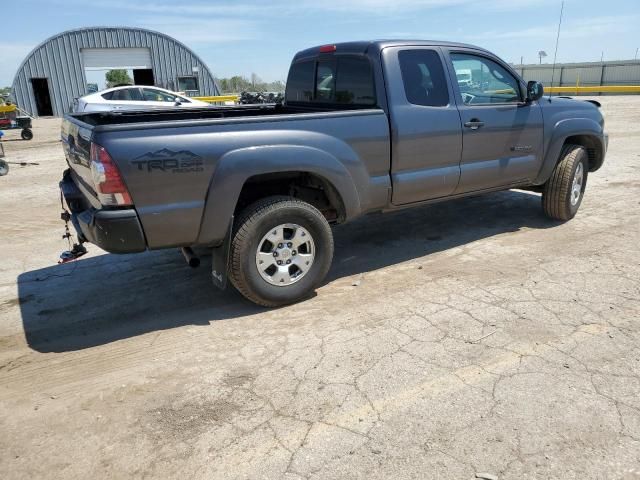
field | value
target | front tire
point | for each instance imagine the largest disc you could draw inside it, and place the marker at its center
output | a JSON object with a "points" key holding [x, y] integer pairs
{"points": [[281, 251], [563, 192]]}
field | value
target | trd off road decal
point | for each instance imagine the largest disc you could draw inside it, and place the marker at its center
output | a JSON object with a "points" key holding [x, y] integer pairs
{"points": [[166, 160]]}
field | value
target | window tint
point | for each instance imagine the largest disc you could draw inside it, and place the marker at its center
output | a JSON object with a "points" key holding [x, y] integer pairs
{"points": [[326, 82], [127, 95], [341, 80], [300, 82], [354, 83], [152, 95], [108, 95], [423, 78], [482, 80]]}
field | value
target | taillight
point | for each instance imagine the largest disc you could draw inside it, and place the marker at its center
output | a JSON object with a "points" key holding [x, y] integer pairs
{"points": [[107, 180]]}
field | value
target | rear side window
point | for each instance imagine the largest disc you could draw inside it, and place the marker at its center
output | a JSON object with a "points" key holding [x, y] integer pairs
{"points": [[342, 80], [423, 78], [108, 95], [127, 94]]}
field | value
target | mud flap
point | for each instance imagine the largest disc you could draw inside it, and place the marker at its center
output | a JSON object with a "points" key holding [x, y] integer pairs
{"points": [[220, 260]]}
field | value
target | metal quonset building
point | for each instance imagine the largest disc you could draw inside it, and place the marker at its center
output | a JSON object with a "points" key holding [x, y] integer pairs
{"points": [[54, 73]]}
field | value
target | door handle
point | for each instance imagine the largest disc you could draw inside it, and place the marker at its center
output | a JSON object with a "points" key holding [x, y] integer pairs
{"points": [[474, 124]]}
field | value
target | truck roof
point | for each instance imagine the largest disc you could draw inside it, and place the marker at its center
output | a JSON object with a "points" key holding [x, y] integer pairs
{"points": [[363, 46]]}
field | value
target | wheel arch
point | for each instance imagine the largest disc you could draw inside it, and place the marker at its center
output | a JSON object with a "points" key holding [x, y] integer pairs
{"points": [[256, 172], [579, 131], [310, 187], [592, 144]]}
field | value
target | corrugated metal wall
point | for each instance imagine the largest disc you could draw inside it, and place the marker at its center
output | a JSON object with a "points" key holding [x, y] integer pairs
{"points": [[596, 73], [58, 59]]}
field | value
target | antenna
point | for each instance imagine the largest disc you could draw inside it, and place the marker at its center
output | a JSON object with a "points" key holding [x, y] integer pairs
{"points": [[555, 55]]}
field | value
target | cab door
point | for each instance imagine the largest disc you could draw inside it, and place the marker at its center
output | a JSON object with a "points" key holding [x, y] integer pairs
{"points": [[502, 133], [426, 134]]}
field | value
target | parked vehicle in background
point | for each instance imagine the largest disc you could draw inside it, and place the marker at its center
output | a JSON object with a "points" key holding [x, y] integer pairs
{"points": [[464, 77], [4, 166], [365, 127], [252, 98], [132, 97]]}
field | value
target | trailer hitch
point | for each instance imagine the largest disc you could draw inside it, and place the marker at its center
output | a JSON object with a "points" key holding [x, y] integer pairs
{"points": [[76, 250]]}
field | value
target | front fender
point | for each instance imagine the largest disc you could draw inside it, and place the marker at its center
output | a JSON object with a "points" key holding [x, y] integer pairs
{"points": [[235, 167], [561, 131]]}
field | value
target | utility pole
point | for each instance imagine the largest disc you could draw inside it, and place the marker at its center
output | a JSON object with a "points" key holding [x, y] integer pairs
{"points": [[602, 56], [636, 56], [522, 61]]}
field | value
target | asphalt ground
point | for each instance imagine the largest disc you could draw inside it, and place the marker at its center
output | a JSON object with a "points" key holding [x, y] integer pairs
{"points": [[467, 337]]}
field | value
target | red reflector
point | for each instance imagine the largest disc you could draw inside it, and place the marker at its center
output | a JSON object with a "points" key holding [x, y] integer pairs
{"points": [[327, 48]]}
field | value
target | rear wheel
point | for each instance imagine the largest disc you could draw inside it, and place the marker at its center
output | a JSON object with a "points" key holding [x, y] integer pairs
{"points": [[563, 192], [4, 168], [26, 134], [281, 251]]}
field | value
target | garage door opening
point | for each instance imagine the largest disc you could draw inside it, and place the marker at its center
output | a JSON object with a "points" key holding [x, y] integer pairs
{"points": [[108, 67], [42, 96], [143, 76]]}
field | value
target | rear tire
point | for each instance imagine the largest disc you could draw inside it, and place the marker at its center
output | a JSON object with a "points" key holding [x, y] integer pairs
{"points": [[285, 230], [563, 192], [4, 168]]}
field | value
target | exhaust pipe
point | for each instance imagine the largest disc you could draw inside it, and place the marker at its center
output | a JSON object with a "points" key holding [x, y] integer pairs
{"points": [[192, 260]]}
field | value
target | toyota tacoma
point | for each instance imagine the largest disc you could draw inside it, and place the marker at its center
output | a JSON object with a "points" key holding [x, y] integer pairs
{"points": [[364, 127]]}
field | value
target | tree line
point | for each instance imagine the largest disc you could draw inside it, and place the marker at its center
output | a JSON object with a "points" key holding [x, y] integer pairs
{"points": [[238, 84]]}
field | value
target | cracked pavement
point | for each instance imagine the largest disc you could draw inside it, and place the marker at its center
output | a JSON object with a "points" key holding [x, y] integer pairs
{"points": [[463, 337]]}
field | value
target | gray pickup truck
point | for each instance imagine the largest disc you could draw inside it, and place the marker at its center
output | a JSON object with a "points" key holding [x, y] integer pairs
{"points": [[365, 127]]}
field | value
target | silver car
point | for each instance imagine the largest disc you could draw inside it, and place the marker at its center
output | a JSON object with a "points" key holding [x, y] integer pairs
{"points": [[132, 97]]}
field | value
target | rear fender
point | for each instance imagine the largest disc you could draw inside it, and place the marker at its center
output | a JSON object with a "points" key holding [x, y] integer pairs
{"points": [[237, 166]]}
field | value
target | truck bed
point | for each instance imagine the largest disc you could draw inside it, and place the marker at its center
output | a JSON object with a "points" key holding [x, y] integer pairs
{"points": [[120, 117], [186, 168]]}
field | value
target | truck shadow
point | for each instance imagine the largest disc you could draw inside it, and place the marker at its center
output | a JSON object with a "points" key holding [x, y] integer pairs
{"points": [[98, 300]]}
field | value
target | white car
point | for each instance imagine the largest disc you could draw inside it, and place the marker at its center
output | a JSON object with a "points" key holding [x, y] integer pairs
{"points": [[134, 97]]}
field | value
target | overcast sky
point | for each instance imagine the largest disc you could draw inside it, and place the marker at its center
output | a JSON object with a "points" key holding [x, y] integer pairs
{"points": [[240, 37]]}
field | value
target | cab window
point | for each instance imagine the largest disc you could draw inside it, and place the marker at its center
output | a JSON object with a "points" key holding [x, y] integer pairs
{"points": [[482, 81], [423, 78], [325, 82], [300, 82], [346, 80]]}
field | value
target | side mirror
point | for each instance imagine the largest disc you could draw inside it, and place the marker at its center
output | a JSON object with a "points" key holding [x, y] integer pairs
{"points": [[535, 90]]}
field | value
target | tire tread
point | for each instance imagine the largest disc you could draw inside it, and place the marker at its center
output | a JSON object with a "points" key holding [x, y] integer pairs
{"points": [[556, 189]]}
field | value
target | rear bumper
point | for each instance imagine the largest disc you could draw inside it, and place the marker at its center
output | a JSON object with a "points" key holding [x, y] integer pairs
{"points": [[116, 231]]}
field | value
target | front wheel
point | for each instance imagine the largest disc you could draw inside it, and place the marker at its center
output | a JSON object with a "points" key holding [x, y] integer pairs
{"points": [[281, 251], [563, 192]]}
